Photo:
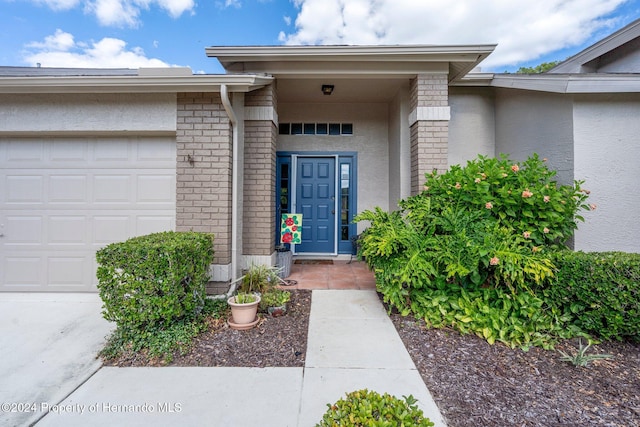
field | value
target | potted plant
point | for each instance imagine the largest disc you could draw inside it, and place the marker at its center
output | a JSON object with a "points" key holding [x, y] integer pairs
{"points": [[275, 301], [244, 310], [259, 279]]}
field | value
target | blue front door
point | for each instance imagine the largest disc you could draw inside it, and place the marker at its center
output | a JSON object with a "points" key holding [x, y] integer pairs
{"points": [[316, 201]]}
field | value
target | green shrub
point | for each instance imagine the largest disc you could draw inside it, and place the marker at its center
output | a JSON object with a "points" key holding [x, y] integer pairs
{"points": [[521, 196], [368, 408], [149, 282], [517, 319], [481, 231], [600, 291]]}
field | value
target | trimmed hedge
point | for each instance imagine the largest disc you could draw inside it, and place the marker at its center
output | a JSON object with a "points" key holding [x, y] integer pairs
{"points": [[148, 282], [600, 292]]}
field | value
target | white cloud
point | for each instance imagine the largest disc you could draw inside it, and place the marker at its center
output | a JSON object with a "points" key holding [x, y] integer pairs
{"points": [[61, 50], [523, 29], [60, 4], [287, 20], [123, 13]]}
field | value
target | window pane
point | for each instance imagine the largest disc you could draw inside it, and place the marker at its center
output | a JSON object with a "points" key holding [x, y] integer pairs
{"points": [[347, 128], [334, 128], [322, 129], [284, 129], [296, 128], [309, 128], [344, 201]]}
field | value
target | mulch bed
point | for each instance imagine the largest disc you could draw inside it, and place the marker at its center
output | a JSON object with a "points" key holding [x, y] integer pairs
{"points": [[473, 383], [477, 384], [275, 341]]}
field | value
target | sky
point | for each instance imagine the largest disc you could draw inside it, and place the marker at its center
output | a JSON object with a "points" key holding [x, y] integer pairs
{"points": [[162, 33]]}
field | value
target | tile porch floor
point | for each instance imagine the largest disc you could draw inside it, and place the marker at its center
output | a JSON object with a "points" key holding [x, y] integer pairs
{"points": [[340, 275]]}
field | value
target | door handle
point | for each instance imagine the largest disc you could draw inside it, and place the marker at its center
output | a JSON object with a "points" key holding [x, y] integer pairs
{"points": [[333, 211]]}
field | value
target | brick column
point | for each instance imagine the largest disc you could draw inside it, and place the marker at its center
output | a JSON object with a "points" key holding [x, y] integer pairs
{"points": [[429, 127], [203, 199], [260, 135]]}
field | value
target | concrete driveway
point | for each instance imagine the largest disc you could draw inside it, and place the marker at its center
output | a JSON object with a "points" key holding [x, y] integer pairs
{"points": [[48, 348]]}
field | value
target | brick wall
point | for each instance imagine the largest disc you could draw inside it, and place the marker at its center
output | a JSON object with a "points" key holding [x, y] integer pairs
{"points": [[259, 177], [429, 138], [203, 199]]}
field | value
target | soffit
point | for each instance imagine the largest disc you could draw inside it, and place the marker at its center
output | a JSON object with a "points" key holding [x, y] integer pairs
{"points": [[380, 61]]}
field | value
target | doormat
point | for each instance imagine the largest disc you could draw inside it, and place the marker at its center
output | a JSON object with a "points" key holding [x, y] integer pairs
{"points": [[314, 261]]}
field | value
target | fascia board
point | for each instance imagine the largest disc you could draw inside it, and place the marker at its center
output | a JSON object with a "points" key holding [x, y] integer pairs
{"points": [[231, 54], [613, 41], [132, 84], [580, 83]]}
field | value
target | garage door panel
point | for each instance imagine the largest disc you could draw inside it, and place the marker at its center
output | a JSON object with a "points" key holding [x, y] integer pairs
{"points": [[21, 230], [152, 153], [67, 230], [65, 151], [154, 224], [155, 188], [22, 271], [68, 189], [109, 229], [61, 199], [68, 271], [111, 188], [112, 150], [24, 188], [25, 150]]}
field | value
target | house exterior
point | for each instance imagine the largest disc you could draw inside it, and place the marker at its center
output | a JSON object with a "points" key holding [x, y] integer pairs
{"points": [[89, 157]]}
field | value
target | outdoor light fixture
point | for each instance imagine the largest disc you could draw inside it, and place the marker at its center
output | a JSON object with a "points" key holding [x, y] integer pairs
{"points": [[327, 89]]}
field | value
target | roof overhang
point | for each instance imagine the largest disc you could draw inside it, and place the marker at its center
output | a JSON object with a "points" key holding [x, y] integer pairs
{"points": [[557, 83], [142, 82], [350, 61]]}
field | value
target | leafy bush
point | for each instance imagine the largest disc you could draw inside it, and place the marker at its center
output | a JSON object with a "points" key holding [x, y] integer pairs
{"points": [[368, 408], [599, 291], [149, 282], [517, 319], [473, 232], [163, 342], [523, 197]]}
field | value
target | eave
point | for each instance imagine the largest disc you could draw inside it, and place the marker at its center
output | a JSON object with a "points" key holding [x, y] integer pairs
{"points": [[363, 61], [132, 84], [570, 83]]}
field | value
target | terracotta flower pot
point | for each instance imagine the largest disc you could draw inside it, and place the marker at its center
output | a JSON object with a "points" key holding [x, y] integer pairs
{"points": [[243, 314]]}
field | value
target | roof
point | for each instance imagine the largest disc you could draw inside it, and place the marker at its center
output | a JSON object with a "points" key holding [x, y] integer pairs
{"points": [[350, 61], [143, 80], [582, 61]]}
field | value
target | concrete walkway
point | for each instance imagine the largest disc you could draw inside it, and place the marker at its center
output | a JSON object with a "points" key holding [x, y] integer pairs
{"points": [[352, 345]]}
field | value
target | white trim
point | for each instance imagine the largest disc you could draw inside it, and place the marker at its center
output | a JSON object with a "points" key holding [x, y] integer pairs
{"points": [[261, 113], [429, 113], [220, 272], [132, 84], [294, 195], [249, 260]]}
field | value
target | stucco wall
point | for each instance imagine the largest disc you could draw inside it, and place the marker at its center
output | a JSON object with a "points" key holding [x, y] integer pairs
{"points": [[607, 150], [472, 124], [369, 140], [399, 148], [535, 122], [88, 113]]}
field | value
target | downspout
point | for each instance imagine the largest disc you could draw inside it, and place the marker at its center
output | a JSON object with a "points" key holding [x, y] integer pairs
{"points": [[226, 103]]}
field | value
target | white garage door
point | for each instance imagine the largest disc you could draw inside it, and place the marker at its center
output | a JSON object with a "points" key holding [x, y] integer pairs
{"points": [[62, 199]]}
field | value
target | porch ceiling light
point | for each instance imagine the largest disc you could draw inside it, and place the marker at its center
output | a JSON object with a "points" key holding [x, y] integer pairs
{"points": [[327, 89]]}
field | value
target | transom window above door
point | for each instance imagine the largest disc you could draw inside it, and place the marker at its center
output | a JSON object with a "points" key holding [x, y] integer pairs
{"points": [[331, 129]]}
